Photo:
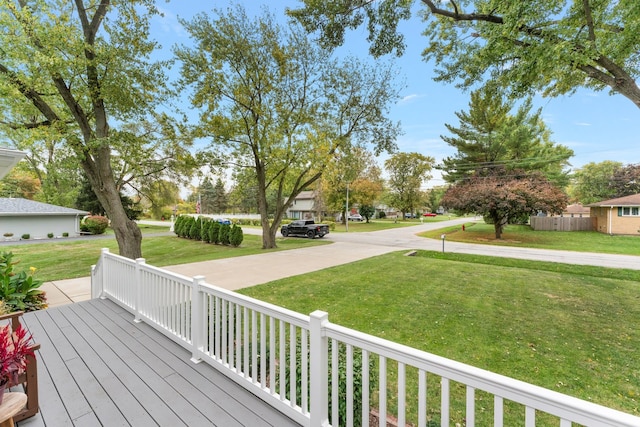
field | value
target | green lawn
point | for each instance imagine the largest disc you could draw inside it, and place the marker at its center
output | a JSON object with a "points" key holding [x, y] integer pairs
{"points": [[62, 259], [572, 329], [524, 236]]}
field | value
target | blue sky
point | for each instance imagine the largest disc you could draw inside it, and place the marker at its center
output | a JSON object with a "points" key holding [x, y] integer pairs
{"points": [[595, 125]]}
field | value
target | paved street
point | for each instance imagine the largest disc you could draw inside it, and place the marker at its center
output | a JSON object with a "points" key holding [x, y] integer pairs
{"points": [[346, 248]]}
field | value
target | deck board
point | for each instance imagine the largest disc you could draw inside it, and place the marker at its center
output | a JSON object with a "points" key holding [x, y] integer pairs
{"points": [[96, 367]]}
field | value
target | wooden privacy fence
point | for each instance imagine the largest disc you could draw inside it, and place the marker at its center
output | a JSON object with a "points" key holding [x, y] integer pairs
{"points": [[562, 223]]}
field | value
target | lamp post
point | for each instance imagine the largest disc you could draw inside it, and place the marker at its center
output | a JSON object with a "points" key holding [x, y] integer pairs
{"points": [[443, 237]]}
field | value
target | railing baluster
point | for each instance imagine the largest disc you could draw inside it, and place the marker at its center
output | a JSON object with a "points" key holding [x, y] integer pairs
{"points": [[231, 333], [246, 343], [254, 346], [471, 407], [444, 402], [334, 382], [383, 392], [272, 355], [304, 388], [263, 351], [293, 357], [218, 327], [401, 394], [225, 332], [282, 366], [365, 388], [498, 411], [349, 385], [530, 417], [422, 398]]}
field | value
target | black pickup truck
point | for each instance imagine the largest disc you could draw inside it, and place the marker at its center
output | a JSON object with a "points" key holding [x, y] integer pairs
{"points": [[304, 227]]}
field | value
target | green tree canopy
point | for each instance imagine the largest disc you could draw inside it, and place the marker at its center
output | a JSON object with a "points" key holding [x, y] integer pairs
{"points": [[489, 135], [275, 102], [552, 47], [69, 71], [592, 182], [407, 172]]}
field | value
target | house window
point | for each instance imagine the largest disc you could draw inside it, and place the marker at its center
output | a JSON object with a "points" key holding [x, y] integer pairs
{"points": [[631, 211]]}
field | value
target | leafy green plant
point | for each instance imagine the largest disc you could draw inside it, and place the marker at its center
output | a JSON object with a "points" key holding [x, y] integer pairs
{"points": [[65, 234], [236, 236], [94, 224], [26, 236], [214, 233], [19, 291], [50, 235], [224, 234]]}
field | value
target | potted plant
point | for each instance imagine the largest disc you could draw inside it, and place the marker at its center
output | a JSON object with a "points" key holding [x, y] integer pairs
{"points": [[15, 346], [8, 236]]}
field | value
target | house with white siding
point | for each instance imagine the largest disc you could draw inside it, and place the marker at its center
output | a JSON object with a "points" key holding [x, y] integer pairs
{"points": [[38, 220]]}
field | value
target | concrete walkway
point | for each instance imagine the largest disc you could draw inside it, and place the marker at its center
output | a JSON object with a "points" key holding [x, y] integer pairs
{"points": [[346, 248]]}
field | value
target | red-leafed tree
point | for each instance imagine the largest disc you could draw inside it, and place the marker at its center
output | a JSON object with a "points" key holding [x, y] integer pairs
{"points": [[502, 196]]}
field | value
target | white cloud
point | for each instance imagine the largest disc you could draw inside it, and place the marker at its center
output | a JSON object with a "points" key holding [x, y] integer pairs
{"points": [[409, 98], [582, 124]]}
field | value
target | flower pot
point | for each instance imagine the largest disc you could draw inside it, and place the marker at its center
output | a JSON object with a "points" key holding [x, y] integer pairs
{"points": [[3, 387]]}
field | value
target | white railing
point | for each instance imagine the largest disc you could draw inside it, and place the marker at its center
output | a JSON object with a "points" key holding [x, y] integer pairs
{"points": [[321, 374]]}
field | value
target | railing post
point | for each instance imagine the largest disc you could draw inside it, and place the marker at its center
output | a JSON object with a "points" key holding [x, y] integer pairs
{"points": [[138, 291], [319, 367], [102, 272], [196, 318]]}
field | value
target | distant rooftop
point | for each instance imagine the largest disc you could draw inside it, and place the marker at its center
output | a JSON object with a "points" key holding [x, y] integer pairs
{"points": [[18, 206]]}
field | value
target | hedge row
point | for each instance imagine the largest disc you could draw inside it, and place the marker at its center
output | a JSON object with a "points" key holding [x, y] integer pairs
{"points": [[208, 230]]}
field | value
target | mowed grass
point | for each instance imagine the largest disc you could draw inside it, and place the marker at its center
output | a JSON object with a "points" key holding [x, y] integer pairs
{"points": [[572, 329], [524, 236], [62, 259]]}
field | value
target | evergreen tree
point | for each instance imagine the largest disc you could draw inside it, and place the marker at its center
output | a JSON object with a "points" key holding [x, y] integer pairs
{"points": [[490, 136], [220, 201]]}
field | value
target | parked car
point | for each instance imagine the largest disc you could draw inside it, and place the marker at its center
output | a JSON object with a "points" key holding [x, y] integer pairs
{"points": [[224, 221], [429, 214], [304, 227], [355, 217], [409, 215]]}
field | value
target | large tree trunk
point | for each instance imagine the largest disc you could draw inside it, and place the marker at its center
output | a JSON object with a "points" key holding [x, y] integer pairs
{"points": [[100, 174]]}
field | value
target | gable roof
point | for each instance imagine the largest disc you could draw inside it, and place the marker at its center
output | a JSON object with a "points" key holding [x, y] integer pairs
{"points": [[24, 207], [632, 200], [305, 195]]}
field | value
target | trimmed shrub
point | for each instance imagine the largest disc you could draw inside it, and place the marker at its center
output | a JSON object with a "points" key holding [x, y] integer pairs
{"points": [[177, 225], [94, 224], [194, 229], [50, 235], [65, 234], [206, 226], [26, 236], [224, 233], [214, 233], [236, 236]]}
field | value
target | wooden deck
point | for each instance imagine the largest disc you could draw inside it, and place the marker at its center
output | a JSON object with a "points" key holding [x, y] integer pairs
{"points": [[96, 367]]}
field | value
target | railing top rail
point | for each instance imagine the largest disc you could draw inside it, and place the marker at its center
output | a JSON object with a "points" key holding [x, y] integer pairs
{"points": [[272, 310], [549, 401], [119, 258]]}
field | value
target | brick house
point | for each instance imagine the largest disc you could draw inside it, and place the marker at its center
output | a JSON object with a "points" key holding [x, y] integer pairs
{"points": [[617, 216]]}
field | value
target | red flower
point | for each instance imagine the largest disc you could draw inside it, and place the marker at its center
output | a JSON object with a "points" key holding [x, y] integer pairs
{"points": [[14, 348]]}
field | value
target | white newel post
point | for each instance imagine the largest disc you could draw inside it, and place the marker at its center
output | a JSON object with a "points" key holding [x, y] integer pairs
{"points": [[138, 291], [319, 363], [196, 318], [103, 271]]}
